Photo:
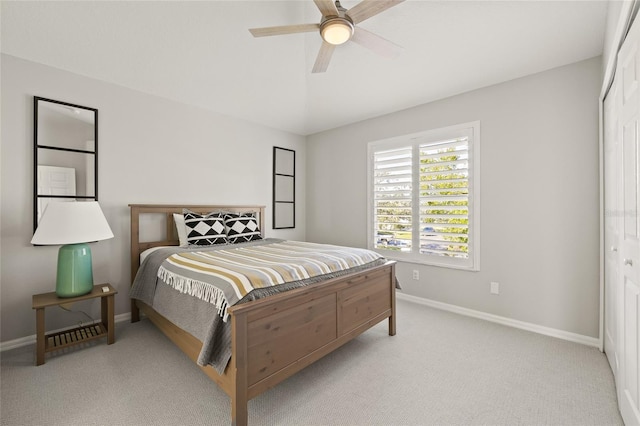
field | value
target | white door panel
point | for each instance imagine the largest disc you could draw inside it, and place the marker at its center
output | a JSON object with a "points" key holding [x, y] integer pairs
{"points": [[611, 160], [631, 352], [628, 377]]}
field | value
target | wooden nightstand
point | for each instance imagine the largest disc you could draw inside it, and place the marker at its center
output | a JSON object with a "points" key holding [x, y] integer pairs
{"points": [[55, 341]]}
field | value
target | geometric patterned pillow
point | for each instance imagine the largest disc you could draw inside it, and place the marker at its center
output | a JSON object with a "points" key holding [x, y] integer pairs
{"points": [[241, 227], [204, 230]]}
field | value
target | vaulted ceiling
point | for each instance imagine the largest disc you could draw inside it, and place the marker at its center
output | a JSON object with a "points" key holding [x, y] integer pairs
{"points": [[201, 53]]}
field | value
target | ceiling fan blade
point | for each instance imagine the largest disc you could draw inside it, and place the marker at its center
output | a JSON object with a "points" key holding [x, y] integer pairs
{"points": [[368, 8], [327, 7], [375, 43], [323, 58], [284, 29]]}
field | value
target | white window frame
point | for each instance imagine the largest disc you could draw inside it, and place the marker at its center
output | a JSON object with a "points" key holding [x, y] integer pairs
{"points": [[472, 131]]}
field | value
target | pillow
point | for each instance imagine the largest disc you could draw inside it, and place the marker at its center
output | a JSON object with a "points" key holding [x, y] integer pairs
{"points": [[241, 227], [204, 230], [181, 229]]}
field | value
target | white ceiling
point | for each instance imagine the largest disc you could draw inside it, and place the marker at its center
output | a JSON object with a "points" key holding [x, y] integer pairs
{"points": [[201, 53]]}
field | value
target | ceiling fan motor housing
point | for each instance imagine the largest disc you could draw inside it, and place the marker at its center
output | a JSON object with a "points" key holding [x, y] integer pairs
{"points": [[336, 29]]}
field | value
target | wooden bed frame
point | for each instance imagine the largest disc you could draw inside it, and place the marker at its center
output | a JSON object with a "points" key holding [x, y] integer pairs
{"points": [[275, 337]]}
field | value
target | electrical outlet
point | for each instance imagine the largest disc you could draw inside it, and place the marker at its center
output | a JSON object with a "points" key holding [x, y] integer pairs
{"points": [[495, 288], [416, 274]]}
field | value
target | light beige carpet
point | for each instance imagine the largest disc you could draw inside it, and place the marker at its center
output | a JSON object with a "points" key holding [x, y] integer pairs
{"points": [[440, 369]]}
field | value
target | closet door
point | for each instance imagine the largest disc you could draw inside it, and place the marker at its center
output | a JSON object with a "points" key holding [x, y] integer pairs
{"points": [[628, 378], [612, 284]]}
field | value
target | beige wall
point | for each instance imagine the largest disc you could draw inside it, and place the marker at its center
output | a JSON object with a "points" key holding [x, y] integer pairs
{"points": [[539, 196], [151, 150]]}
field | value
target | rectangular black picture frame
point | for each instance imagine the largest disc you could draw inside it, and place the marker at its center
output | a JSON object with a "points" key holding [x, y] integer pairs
{"points": [[284, 188]]}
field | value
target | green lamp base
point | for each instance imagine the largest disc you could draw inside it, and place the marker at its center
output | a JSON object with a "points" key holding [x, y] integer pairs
{"points": [[75, 274]]}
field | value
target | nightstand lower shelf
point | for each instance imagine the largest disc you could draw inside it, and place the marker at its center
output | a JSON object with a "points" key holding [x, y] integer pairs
{"points": [[63, 339]]}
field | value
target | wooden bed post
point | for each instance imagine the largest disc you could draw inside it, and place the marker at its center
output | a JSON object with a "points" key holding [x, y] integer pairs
{"points": [[135, 312], [239, 396], [392, 317], [135, 258]]}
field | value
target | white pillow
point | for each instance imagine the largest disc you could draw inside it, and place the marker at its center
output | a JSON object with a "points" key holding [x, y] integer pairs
{"points": [[178, 219]]}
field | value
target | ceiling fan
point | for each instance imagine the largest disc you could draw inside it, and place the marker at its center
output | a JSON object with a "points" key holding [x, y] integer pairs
{"points": [[337, 26]]}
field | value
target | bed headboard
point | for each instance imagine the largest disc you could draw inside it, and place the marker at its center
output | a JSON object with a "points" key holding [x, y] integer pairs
{"points": [[167, 210]]}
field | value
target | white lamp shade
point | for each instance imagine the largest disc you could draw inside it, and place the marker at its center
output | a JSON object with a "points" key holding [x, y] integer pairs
{"points": [[72, 222]]}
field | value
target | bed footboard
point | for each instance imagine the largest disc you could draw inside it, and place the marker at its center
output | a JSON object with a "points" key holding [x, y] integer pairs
{"points": [[275, 337]]}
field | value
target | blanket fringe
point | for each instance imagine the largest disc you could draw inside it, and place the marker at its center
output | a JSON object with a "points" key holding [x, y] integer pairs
{"points": [[201, 290]]}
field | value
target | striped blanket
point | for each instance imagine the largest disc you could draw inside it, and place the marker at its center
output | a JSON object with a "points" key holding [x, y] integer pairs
{"points": [[223, 277]]}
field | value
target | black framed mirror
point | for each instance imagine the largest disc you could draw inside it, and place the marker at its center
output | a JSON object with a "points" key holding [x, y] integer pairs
{"points": [[65, 146], [284, 188]]}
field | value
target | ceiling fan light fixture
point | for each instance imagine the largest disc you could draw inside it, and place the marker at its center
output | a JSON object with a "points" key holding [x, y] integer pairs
{"points": [[336, 30]]}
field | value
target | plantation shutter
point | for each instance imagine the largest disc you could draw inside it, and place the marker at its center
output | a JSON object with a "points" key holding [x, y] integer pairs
{"points": [[393, 188], [444, 198]]}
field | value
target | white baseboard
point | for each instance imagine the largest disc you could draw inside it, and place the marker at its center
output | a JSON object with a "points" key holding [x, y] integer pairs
{"points": [[547, 331], [31, 340]]}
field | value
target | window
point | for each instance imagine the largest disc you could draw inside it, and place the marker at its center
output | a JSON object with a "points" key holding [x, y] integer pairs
{"points": [[423, 197]]}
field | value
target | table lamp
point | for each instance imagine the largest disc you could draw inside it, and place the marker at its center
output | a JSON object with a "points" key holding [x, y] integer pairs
{"points": [[72, 224]]}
